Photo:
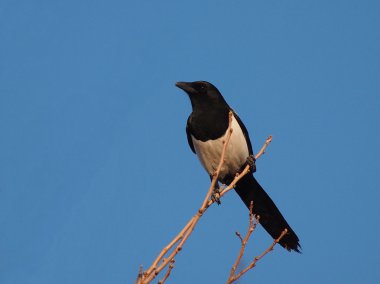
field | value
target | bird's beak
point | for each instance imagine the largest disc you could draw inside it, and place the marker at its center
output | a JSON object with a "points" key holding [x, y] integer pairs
{"points": [[185, 86]]}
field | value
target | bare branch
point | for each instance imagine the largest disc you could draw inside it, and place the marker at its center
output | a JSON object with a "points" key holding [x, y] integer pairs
{"points": [[251, 227], [177, 243], [256, 259], [167, 274], [262, 150], [167, 248]]}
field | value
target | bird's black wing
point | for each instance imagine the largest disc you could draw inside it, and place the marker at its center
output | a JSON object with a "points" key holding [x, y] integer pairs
{"points": [[189, 140], [245, 132]]}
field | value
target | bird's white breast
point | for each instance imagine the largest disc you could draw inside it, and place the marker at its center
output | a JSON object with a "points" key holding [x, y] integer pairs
{"points": [[209, 152]]}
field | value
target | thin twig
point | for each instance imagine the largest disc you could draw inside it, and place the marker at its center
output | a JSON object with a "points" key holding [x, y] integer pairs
{"points": [[257, 258], [239, 236], [251, 227], [167, 274], [262, 150], [139, 276], [167, 248]]}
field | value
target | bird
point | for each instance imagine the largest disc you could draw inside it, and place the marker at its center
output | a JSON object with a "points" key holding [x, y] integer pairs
{"points": [[206, 129]]}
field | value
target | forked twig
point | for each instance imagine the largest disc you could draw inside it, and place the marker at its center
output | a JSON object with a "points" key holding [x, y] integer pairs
{"points": [[234, 277], [171, 265], [251, 228]]}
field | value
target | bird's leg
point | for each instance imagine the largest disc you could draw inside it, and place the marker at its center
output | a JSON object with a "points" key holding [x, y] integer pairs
{"points": [[216, 192]]}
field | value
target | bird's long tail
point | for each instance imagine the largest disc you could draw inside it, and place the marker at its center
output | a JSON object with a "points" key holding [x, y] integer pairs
{"points": [[270, 217]]}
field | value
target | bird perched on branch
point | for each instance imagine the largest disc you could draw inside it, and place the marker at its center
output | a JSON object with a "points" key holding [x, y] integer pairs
{"points": [[206, 130]]}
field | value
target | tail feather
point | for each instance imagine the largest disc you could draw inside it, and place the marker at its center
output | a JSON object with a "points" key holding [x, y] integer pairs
{"points": [[270, 217]]}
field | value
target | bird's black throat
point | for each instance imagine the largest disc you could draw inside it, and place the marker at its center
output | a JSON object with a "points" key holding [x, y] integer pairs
{"points": [[209, 124]]}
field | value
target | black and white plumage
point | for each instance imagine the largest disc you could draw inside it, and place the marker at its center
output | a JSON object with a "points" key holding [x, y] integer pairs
{"points": [[206, 129]]}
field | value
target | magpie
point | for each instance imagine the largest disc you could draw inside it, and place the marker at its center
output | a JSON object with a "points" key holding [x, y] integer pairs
{"points": [[206, 129]]}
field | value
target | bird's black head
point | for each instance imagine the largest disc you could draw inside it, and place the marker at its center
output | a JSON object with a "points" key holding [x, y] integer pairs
{"points": [[202, 94]]}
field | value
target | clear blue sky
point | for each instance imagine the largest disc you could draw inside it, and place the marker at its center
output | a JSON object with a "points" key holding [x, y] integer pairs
{"points": [[95, 172]]}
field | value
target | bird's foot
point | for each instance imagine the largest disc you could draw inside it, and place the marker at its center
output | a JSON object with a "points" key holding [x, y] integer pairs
{"points": [[251, 162], [215, 196]]}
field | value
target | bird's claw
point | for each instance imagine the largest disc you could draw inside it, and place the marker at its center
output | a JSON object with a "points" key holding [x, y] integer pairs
{"points": [[216, 196], [251, 162]]}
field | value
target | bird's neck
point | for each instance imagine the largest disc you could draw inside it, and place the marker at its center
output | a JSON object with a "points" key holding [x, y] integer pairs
{"points": [[209, 124]]}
